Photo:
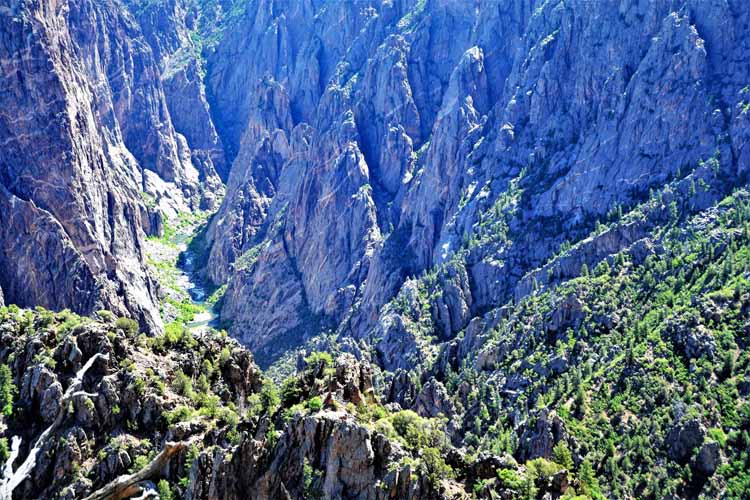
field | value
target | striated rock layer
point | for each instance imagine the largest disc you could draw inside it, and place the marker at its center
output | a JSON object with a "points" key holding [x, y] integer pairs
{"points": [[91, 158], [416, 133]]}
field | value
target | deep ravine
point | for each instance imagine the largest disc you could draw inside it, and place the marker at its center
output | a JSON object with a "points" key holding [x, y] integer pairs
{"points": [[467, 250], [188, 300], [193, 283]]}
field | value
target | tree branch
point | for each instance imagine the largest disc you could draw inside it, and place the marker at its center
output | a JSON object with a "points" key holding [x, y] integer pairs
{"points": [[127, 485], [10, 479]]}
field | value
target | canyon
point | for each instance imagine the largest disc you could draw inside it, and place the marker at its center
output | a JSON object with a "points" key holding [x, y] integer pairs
{"points": [[406, 248]]}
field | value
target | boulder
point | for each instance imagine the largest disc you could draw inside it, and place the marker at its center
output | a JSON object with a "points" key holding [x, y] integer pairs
{"points": [[540, 434], [684, 438], [708, 458], [433, 400]]}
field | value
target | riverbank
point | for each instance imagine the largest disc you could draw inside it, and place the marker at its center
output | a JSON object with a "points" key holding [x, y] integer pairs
{"points": [[188, 300]]}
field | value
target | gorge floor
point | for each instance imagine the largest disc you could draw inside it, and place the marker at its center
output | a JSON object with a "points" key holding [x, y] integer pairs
{"points": [[188, 299]]}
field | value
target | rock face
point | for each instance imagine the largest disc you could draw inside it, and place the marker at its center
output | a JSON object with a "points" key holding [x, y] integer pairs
{"points": [[369, 143], [326, 454], [684, 438], [169, 29], [119, 414], [433, 401], [708, 458], [539, 437], [84, 82], [422, 133], [99, 402], [346, 461], [72, 215]]}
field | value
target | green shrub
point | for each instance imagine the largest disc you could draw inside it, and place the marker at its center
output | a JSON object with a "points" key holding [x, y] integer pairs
{"points": [[562, 455], [587, 478], [202, 384], [183, 384], [175, 333], [315, 404], [210, 406], [165, 492], [105, 315], [602, 269], [314, 359], [510, 479], [181, 413], [224, 356], [7, 390], [128, 326], [271, 436], [540, 469], [416, 431], [718, 435], [291, 392], [269, 396], [311, 478], [139, 386], [437, 469], [139, 463]]}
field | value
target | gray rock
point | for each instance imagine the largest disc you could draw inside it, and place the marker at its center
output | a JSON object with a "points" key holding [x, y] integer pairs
{"points": [[348, 458], [486, 466], [433, 400], [691, 336], [423, 135], [40, 386], [402, 390], [708, 458], [684, 438], [74, 232], [559, 482], [539, 436]]}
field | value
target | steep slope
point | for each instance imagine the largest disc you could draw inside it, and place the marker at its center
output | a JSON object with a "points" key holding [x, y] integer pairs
{"points": [[628, 380], [427, 118], [91, 160], [72, 210], [637, 366]]}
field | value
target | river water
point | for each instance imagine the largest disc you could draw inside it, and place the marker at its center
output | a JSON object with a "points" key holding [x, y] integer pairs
{"points": [[190, 280]]}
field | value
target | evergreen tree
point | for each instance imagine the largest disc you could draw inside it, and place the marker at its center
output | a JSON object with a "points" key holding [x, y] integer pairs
{"points": [[7, 389], [562, 455]]}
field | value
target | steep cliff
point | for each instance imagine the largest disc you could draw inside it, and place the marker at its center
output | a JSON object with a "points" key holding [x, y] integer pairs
{"points": [[91, 161], [427, 131]]}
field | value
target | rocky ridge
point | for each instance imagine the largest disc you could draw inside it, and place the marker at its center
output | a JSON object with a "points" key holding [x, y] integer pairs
{"points": [[487, 144], [203, 399]]}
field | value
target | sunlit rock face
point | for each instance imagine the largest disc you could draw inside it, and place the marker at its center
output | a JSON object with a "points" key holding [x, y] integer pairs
{"points": [[371, 152], [91, 158]]}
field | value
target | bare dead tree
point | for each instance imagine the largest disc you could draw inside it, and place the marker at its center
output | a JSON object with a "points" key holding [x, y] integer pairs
{"points": [[10, 479], [132, 484]]}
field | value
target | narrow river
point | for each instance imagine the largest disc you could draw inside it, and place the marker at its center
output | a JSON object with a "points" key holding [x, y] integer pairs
{"points": [[190, 280]]}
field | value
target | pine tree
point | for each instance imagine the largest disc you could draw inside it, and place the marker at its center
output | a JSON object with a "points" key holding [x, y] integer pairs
{"points": [[562, 455], [589, 483], [7, 389], [580, 401]]}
